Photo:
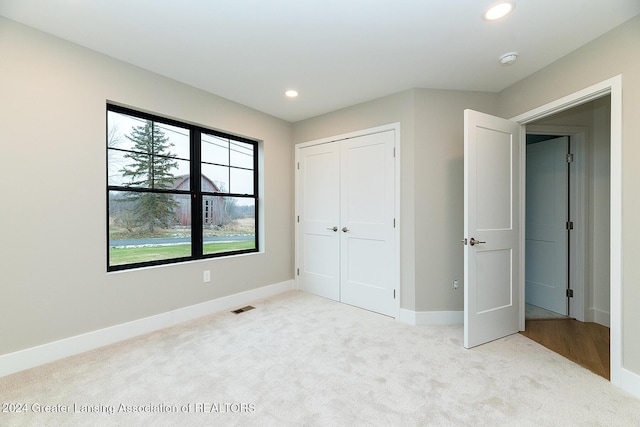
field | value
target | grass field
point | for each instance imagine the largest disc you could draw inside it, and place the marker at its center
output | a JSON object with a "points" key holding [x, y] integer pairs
{"points": [[118, 256]]}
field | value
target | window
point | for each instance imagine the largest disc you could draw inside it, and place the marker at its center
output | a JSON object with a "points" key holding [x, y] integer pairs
{"points": [[176, 191]]}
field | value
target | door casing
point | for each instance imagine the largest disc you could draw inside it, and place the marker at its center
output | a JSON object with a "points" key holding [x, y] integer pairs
{"points": [[612, 87]]}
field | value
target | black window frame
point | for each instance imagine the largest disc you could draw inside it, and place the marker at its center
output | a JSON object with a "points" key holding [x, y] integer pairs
{"points": [[195, 191]]}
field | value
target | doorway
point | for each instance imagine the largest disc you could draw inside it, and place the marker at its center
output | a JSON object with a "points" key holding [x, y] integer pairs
{"points": [[610, 238], [548, 226], [577, 318]]}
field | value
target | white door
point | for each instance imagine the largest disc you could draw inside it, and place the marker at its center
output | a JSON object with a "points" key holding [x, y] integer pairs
{"points": [[318, 202], [367, 222], [546, 225], [346, 242], [491, 228]]}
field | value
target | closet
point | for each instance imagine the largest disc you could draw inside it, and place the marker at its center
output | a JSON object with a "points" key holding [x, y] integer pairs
{"points": [[346, 235]]}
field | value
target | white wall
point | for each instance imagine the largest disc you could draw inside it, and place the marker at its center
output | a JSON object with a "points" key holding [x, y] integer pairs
{"points": [[54, 282]]}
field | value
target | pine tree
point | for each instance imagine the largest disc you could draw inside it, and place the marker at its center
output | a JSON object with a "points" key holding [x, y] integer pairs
{"points": [[151, 168]]}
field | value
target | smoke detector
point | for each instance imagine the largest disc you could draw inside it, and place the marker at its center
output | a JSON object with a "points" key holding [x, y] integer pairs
{"points": [[508, 58]]}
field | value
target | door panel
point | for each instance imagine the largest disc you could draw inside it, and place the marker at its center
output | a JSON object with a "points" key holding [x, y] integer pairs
{"points": [[491, 209], [367, 212], [546, 235], [350, 185], [493, 179], [319, 204], [493, 269]]}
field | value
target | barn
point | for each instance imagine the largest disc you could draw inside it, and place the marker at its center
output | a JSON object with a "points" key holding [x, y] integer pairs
{"points": [[213, 212]]}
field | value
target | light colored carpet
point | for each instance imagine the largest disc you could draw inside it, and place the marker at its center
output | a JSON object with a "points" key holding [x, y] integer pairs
{"points": [[298, 359]]}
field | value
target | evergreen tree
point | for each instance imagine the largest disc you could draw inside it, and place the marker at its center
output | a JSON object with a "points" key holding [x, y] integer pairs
{"points": [[151, 168]]}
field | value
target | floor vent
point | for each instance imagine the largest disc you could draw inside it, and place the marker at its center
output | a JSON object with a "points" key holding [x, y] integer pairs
{"points": [[243, 309]]}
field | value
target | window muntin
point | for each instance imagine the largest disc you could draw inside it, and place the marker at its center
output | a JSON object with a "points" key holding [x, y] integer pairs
{"points": [[157, 213]]}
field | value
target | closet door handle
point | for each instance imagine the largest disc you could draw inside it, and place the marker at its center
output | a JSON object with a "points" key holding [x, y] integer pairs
{"points": [[334, 229], [345, 230]]}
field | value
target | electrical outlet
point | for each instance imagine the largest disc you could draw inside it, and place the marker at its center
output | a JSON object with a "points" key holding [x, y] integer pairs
{"points": [[454, 284], [206, 277]]}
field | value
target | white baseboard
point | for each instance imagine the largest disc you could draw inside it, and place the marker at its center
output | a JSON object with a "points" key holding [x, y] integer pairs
{"points": [[426, 318], [50, 352], [630, 382], [601, 317]]}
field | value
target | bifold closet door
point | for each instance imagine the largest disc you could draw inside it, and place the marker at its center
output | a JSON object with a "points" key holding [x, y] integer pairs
{"points": [[319, 219], [367, 222], [346, 239]]}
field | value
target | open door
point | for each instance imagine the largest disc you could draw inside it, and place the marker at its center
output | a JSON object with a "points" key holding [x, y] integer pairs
{"points": [[547, 225], [491, 228]]}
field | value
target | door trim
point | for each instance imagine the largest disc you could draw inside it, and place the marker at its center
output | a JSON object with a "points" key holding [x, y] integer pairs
{"points": [[613, 87], [397, 187]]}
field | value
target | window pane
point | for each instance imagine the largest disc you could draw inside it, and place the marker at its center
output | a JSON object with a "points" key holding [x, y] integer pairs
{"points": [[180, 174], [241, 155], [118, 127], [241, 181], [228, 224], [116, 161], [215, 149], [219, 175], [134, 134], [177, 140], [145, 171], [148, 227]]}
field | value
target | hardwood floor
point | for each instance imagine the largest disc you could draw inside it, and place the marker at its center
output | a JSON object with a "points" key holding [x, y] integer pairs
{"points": [[585, 343]]}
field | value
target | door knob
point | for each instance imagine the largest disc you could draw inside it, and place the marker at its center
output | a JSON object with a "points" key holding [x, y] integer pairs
{"points": [[345, 230], [334, 228], [473, 241]]}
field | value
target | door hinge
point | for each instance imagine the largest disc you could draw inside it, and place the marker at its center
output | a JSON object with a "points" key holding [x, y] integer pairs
{"points": [[298, 165], [394, 294], [569, 158], [569, 225], [298, 271], [569, 293], [394, 151], [394, 223], [298, 218]]}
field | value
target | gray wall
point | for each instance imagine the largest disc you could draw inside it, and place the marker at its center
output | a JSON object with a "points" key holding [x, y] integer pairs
{"points": [[612, 54], [53, 218], [431, 183]]}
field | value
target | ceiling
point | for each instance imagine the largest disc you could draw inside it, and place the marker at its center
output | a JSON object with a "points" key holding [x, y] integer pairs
{"points": [[336, 53]]}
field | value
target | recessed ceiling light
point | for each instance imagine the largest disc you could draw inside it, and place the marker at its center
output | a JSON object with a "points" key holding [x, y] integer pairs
{"points": [[291, 93], [499, 10]]}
